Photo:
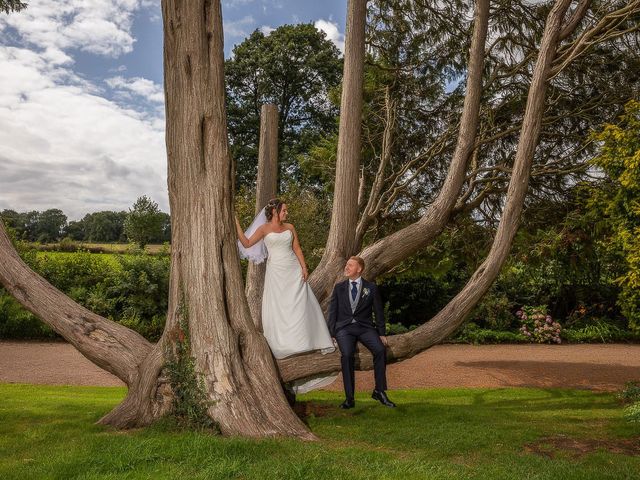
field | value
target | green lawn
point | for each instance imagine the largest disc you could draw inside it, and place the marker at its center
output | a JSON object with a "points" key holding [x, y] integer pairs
{"points": [[49, 432]]}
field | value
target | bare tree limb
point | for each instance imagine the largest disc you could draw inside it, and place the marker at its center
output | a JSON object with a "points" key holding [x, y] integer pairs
{"points": [[391, 250], [108, 344], [453, 314]]}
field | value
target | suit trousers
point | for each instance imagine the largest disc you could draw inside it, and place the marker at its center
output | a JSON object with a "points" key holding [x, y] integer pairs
{"points": [[347, 338]]}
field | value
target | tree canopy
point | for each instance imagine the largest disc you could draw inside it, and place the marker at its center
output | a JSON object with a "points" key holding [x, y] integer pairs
{"points": [[145, 222], [617, 198], [294, 66], [8, 6]]}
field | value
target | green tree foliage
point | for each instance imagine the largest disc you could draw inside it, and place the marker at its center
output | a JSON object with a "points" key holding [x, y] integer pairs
{"points": [[11, 218], [8, 6], [50, 225], [617, 196], [35, 226], [295, 67], [144, 222], [104, 226], [129, 289], [416, 67]]}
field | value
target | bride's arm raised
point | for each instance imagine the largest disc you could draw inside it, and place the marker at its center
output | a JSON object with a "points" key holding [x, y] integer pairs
{"points": [[298, 251], [255, 238]]}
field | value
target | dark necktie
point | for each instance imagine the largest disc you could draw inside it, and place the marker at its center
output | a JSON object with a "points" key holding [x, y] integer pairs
{"points": [[354, 290]]}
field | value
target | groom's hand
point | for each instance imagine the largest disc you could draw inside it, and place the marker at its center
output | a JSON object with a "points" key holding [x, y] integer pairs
{"points": [[384, 340]]}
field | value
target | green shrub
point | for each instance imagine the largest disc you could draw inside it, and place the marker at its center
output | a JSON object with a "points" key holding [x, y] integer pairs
{"points": [[600, 332], [632, 412], [131, 289], [151, 329], [16, 322], [139, 294], [630, 393], [72, 270], [493, 311], [68, 245], [413, 299], [397, 328], [472, 333]]}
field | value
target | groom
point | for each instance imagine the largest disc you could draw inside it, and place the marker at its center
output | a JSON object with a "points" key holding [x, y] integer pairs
{"points": [[350, 320]]}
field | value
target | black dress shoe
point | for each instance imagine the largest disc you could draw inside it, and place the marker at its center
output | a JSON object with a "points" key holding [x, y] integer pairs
{"points": [[347, 404], [382, 398]]}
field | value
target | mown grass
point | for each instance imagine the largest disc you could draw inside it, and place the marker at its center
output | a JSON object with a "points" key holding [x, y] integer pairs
{"points": [[49, 432]]}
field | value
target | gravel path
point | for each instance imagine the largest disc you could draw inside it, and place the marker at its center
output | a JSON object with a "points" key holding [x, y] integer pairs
{"points": [[596, 367]]}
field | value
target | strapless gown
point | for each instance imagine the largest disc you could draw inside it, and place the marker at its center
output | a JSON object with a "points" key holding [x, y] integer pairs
{"points": [[292, 319]]}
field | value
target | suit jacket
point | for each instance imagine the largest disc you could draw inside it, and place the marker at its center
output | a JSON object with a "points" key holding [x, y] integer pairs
{"points": [[340, 314]]}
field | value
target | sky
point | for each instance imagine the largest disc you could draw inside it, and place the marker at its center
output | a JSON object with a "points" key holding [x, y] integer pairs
{"points": [[82, 101]]}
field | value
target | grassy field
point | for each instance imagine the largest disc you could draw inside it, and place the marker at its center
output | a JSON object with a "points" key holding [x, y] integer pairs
{"points": [[49, 432], [120, 247]]}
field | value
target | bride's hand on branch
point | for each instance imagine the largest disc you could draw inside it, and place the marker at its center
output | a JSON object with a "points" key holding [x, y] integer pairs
{"points": [[305, 273]]}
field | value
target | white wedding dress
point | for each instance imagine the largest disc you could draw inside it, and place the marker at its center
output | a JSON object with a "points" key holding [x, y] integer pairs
{"points": [[292, 319]]}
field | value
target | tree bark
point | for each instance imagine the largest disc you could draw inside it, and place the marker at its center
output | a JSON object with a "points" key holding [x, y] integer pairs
{"points": [[111, 346], [341, 242], [265, 190], [235, 362]]}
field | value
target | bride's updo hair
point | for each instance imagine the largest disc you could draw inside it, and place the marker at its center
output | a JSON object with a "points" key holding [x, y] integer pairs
{"points": [[274, 203]]}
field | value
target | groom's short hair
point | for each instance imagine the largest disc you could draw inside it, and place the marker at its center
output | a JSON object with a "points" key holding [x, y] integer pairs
{"points": [[360, 261]]}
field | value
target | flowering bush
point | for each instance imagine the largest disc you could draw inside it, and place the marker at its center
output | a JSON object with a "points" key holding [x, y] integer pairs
{"points": [[538, 326]]}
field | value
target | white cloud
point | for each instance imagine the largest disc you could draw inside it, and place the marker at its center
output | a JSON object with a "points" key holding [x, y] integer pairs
{"points": [[236, 3], [93, 26], [266, 29], [333, 34], [63, 144], [143, 87], [239, 28]]}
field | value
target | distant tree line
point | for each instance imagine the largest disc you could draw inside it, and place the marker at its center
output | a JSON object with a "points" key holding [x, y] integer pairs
{"points": [[144, 223]]}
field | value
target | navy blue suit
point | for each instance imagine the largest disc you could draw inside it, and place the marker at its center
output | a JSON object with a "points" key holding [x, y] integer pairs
{"points": [[349, 326]]}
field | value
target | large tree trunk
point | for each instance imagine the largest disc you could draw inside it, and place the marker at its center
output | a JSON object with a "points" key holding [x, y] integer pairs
{"points": [[266, 186], [207, 292], [341, 242]]}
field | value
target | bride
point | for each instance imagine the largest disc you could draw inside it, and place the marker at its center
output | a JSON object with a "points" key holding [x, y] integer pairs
{"points": [[292, 319]]}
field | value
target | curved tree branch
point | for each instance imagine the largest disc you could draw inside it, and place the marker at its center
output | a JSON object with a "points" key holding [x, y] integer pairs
{"points": [[454, 313], [389, 251], [344, 215], [108, 344]]}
